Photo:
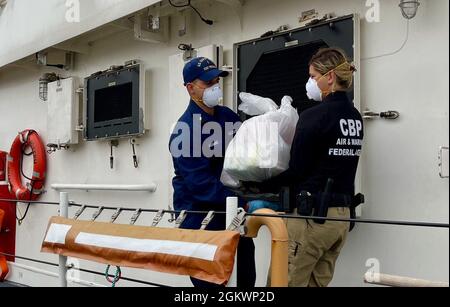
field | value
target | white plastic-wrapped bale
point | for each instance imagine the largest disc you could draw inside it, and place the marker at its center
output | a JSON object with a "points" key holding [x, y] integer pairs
{"points": [[261, 147]]}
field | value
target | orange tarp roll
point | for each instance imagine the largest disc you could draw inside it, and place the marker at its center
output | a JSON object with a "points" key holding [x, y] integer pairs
{"points": [[3, 265], [205, 255]]}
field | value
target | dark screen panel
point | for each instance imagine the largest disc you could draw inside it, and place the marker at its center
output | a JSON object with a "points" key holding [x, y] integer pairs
{"points": [[115, 102]]}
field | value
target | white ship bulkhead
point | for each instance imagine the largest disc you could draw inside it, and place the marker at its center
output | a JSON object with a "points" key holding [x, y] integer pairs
{"points": [[399, 172]]}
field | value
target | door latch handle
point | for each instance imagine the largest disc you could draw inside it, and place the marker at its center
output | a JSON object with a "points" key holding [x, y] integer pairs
{"points": [[391, 115]]}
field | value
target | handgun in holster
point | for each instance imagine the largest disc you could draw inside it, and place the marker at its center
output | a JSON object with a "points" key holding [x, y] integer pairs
{"points": [[357, 200], [305, 203], [317, 205], [288, 199]]}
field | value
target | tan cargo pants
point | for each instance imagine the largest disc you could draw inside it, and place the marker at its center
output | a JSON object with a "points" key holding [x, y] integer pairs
{"points": [[314, 249]]}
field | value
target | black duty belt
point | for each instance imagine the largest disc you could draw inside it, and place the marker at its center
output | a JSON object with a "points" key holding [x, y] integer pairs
{"points": [[341, 201]]}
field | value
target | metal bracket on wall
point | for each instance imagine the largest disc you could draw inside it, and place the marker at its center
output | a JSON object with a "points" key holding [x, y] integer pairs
{"points": [[133, 143], [113, 143], [56, 58], [160, 36], [441, 163], [307, 16], [189, 52]]}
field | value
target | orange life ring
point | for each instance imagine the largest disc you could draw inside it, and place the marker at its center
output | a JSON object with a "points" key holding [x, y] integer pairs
{"points": [[25, 139]]}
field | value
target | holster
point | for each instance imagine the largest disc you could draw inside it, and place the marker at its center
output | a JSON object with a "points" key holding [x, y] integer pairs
{"points": [[322, 204], [317, 205], [289, 199], [314, 205], [305, 204], [358, 200]]}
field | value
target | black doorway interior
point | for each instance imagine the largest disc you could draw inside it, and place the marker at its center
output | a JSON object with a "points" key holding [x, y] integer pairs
{"points": [[277, 66]]}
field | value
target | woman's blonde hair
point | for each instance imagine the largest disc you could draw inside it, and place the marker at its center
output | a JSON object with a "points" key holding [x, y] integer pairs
{"points": [[334, 59]]}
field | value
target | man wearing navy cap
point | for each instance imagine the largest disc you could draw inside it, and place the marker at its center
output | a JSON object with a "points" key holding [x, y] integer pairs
{"points": [[198, 146]]}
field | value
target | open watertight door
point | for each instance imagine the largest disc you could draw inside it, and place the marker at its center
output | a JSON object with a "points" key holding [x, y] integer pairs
{"points": [[277, 65]]}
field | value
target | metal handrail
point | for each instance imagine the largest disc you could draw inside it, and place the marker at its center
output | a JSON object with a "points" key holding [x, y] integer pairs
{"points": [[106, 187]]}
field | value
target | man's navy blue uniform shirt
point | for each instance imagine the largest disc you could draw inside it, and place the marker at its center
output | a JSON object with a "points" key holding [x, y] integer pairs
{"points": [[197, 185]]}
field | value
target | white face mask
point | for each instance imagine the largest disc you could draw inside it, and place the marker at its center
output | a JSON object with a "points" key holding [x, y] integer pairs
{"points": [[312, 87], [213, 96], [313, 91]]}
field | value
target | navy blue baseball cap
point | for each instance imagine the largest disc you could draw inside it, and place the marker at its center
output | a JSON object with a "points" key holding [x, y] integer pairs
{"points": [[203, 69]]}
